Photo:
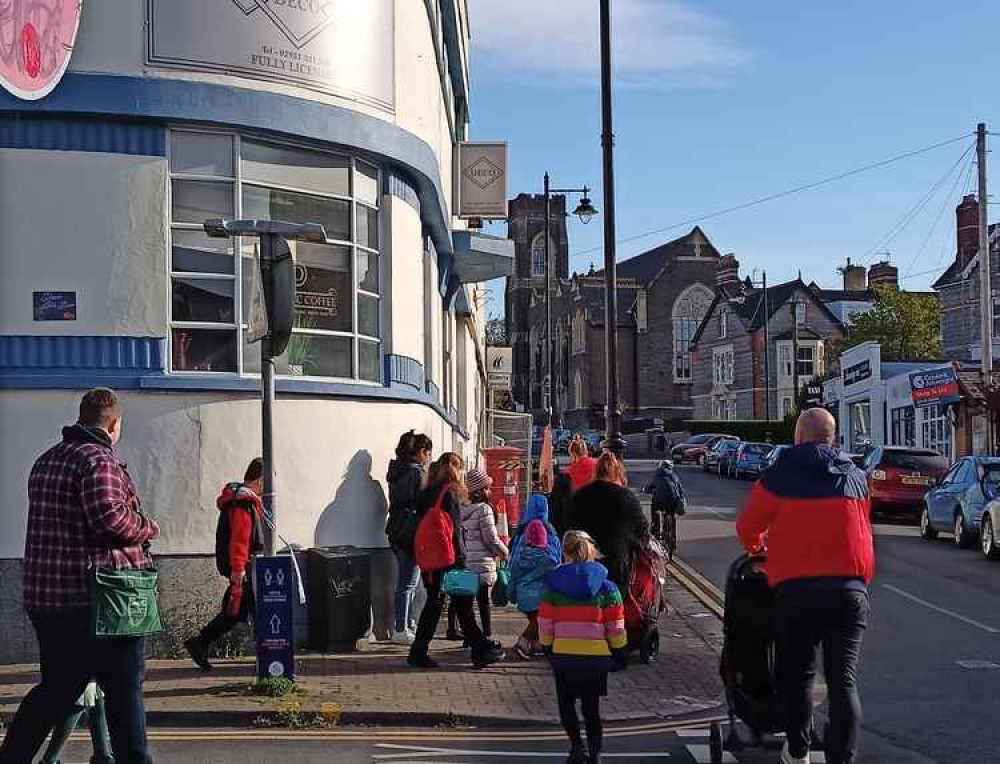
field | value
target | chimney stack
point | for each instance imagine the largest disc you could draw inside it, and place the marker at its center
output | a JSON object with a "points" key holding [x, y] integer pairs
{"points": [[854, 277], [967, 214], [883, 274], [727, 274]]}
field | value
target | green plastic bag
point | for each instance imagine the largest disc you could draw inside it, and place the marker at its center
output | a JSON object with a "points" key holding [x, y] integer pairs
{"points": [[499, 594], [125, 603]]}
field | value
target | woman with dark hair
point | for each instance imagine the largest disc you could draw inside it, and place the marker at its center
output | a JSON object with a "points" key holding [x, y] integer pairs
{"points": [[446, 484], [405, 478], [611, 514]]}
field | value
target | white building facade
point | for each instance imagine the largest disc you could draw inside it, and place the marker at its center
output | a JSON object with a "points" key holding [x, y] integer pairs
{"points": [[174, 111]]}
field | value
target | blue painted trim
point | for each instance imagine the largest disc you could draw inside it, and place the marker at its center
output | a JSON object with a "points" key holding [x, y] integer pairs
{"points": [[399, 186], [53, 134], [54, 354], [433, 390], [452, 37], [451, 293], [154, 99], [404, 370]]}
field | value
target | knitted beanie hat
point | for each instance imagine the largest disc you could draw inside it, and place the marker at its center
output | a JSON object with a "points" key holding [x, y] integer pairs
{"points": [[477, 480], [536, 535]]}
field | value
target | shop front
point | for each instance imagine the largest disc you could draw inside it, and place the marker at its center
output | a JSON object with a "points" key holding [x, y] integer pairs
{"points": [[162, 114]]}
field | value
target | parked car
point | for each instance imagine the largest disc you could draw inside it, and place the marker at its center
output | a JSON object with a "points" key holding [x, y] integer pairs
{"points": [[750, 460], [898, 478], [594, 440], [990, 522], [726, 456], [694, 449], [956, 504], [772, 457], [710, 459]]}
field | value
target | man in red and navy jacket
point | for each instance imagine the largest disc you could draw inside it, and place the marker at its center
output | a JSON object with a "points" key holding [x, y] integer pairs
{"points": [[811, 512], [238, 537]]}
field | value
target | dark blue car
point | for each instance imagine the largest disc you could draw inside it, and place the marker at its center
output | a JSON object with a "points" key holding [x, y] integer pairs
{"points": [[750, 460]]}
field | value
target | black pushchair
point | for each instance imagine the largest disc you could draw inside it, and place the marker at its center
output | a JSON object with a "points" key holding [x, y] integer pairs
{"points": [[748, 666]]}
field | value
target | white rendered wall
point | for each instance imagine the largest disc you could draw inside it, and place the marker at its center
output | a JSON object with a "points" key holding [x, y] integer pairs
{"points": [[181, 448], [90, 223]]}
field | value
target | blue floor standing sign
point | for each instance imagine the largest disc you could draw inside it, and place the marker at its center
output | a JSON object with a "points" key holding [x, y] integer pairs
{"points": [[275, 583]]}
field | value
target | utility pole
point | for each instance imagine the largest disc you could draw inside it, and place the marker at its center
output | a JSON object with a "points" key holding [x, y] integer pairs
{"points": [[613, 415], [767, 354], [985, 278], [549, 354]]}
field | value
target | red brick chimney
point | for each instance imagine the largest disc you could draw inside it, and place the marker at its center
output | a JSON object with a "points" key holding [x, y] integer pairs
{"points": [[727, 273], [883, 274], [967, 214]]}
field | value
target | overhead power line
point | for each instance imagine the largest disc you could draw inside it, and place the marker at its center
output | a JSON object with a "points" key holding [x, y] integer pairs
{"points": [[781, 194]]}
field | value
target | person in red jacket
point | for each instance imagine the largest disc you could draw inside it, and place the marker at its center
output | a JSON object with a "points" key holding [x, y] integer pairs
{"points": [[582, 470], [810, 511], [237, 538]]}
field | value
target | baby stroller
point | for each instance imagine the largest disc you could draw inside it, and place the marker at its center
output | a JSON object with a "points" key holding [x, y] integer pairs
{"points": [[644, 601], [748, 666]]}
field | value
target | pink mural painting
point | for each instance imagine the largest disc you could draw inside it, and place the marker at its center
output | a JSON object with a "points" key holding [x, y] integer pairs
{"points": [[36, 42]]}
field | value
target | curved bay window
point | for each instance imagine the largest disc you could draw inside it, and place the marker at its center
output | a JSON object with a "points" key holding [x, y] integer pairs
{"points": [[337, 299]]}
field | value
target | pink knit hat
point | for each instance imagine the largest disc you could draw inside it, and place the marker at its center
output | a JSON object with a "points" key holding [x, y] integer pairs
{"points": [[536, 535], [477, 480]]}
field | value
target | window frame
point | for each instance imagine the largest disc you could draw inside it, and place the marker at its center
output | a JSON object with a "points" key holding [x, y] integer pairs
{"points": [[242, 246]]}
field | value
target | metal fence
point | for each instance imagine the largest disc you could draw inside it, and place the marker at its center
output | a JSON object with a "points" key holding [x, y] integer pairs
{"points": [[506, 428]]}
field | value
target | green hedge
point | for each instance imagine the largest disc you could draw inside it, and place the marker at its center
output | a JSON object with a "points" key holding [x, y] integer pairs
{"points": [[752, 430]]}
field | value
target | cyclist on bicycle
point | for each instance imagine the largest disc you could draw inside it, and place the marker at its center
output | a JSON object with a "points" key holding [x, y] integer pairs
{"points": [[668, 504]]}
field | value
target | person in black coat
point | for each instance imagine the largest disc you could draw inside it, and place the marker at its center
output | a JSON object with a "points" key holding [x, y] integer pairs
{"points": [[406, 479], [612, 515], [446, 481]]}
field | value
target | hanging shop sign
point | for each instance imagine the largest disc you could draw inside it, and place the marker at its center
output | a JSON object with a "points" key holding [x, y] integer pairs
{"points": [[482, 183], [935, 387], [341, 47], [36, 43]]}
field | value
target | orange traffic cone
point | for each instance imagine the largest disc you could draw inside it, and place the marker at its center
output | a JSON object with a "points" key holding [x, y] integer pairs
{"points": [[503, 529]]}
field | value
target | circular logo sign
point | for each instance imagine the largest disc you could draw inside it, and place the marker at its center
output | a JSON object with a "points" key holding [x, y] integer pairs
{"points": [[36, 42], [277, 668], [919, 383]]}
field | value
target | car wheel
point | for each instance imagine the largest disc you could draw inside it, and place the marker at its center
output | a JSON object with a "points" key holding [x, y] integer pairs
{"points": [[962, 536], [988, 539], [927, 531]]}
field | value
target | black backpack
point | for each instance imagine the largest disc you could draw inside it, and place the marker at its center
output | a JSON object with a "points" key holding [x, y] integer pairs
{"points": [[223, 532], [667, 494]]}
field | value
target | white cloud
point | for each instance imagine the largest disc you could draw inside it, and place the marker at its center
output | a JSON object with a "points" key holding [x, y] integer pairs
{"points": [[654, 40]]}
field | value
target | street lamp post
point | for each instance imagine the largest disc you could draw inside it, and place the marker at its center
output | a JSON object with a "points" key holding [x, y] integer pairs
{"points": [[796, 305], [613, 415], [585, 211]]}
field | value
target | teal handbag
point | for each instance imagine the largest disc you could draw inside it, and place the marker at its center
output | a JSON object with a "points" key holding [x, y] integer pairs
{"points": [[499, 595], [460, 583]]}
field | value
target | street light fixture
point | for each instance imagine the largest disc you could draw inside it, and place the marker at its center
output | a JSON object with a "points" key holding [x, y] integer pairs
{"points": [[586, 211]]}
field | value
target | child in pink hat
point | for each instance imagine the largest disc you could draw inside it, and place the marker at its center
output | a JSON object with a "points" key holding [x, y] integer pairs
{"points": [[531, 563]]}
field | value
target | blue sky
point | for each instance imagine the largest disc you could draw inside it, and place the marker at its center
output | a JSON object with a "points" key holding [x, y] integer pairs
{"points": [[719, 103]]}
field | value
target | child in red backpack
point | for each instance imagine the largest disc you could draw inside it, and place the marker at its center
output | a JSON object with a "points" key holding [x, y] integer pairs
{"points": [[444, 495]]}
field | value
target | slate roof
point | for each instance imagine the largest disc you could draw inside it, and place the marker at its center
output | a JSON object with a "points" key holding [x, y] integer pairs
{"points": [[646, 266], [954, 271], [593, 297]]}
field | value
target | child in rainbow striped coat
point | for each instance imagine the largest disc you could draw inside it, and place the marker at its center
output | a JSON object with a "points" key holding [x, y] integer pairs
{"points": [[581, 625]]}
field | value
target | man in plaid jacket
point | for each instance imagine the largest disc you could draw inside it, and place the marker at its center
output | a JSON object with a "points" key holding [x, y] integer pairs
{"points": [[83, 511]]}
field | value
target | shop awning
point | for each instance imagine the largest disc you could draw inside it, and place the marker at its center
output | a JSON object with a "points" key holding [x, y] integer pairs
{"points": [[479, 257]]}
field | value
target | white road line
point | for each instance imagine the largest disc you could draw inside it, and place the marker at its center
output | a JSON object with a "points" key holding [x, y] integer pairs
{"points": [[944, 611], [703, 755], [423, 752]]}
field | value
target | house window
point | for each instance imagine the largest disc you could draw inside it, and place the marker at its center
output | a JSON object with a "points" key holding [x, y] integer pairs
{"points": [[722, 366], [786, 405], [785, 359], [807, 361], [723, 323], [904, 427], [724, 409], [338, 304]]}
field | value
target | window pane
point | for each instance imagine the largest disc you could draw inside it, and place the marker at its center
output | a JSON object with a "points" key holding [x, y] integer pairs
{"points": [[270, 204], [367, 315], [368, 271], [323, 287], [366, 184], [369, 361], [203, 300], [201, 153], [298, 168], [195, 201], [204, 350], [367, 227], [195, 252], [310, 355]]}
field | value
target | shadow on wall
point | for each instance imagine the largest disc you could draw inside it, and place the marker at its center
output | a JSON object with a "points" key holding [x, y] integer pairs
{"points": [[356, 516]]}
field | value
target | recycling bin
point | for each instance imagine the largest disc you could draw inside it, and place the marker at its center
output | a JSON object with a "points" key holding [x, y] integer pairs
{"points": [[340, 597]]}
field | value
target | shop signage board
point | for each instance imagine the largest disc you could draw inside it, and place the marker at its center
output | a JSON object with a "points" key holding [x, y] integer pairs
{"points": [[36, 43], [859, 372], [54, 306], [274, 580], [935, 387], [341, 47], [499, 368], [482, 182]]}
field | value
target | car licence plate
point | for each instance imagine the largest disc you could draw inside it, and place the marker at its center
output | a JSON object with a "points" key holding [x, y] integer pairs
{"points": [[916, 481]]}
